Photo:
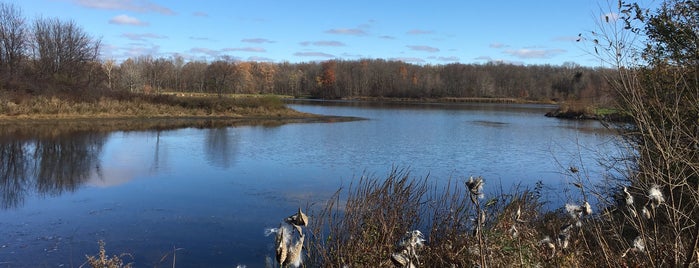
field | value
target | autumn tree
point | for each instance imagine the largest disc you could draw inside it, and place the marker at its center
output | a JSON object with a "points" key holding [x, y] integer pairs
{"points": [[243, 79], [326, 80]]}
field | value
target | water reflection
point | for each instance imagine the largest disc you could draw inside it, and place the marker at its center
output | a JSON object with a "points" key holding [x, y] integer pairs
{"points": [[220, 148], [13, 173], [47, 162]]}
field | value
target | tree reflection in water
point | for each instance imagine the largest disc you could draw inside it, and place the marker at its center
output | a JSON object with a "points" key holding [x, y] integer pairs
{"points": [[220, 147], [48, 161]]}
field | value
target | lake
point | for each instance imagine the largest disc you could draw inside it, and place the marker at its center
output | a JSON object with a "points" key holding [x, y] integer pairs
{"points": [[207, 195]]}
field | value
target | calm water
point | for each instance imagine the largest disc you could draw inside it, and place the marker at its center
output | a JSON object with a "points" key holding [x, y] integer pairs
{"points": [[209, 193]]}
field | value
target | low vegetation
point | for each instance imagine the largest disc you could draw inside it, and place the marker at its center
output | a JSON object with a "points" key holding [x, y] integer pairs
{"points": [[380, 219], [122, 104], [102, 260]]}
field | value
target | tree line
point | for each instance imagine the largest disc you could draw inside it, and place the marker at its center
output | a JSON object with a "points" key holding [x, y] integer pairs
{"points": [[50, 54], [367, 77]]}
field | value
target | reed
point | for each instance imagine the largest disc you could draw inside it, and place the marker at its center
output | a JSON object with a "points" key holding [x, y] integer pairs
{"points": [[402, 221], [102, 260]]}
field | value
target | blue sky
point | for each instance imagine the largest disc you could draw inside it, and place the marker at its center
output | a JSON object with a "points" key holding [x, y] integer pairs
{"points": [[421, 32]]}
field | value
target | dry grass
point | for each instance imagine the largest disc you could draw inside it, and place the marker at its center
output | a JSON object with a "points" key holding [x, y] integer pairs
{"points": [[102, 260], [462, 228], [137, 105], [363, 232]]}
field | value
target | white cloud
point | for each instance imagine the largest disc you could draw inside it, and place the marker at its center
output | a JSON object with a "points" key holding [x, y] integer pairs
{"points": [[424, 48], [134, 51], [257, 40], [323, 43], [205, 51], [526, 53], [496, 45], [418, 32], [245, 49], [408, 60], [346, 31], [128, 5], [313, 54], [126, 20], [260, 59], [143, 37], [200, 14], [447, 59], [200, 38]]}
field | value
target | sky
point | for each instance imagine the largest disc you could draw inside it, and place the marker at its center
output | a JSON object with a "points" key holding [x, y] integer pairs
{"points": [[420, 32]]}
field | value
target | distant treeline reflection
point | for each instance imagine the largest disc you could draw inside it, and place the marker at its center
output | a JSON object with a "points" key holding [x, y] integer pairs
{"points": [[42, 160]]}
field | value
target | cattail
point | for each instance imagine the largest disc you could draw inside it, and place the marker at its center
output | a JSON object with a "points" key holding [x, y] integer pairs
{"points": [[547, 242], [399, 259], [655, 195], [563, 240], [633, 213], [513, 231], [574, 211], [282, 239], [646, 212], [475, 186], [628, 197], [412, 239], [518, 215], [565, 229], [410, 243], [298, 219], [638, 244], [587, 209], [293, 257]]}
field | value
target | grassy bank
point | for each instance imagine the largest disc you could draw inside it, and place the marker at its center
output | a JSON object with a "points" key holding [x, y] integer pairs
{"points": [[125, 105], [591, 112], [402, 221]]}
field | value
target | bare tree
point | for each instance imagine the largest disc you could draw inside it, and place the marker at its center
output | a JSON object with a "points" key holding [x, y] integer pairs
{"points": [[13, 40], [62, 51], [130, 75], [218, 75], [108, 66]]}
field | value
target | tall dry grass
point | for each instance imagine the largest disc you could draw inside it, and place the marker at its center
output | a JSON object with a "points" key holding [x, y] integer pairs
{"points": [[122, 104], [462, 227]]}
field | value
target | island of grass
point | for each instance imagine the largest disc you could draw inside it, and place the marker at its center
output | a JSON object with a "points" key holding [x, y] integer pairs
{"points": [[134, 111]]}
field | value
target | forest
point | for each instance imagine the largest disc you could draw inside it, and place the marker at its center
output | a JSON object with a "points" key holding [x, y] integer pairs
{"points": [[56, 56]]}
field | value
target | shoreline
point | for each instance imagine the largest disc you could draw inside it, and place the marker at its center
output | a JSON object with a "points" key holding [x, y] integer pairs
{"points": [[439, 100], [156, 123]]}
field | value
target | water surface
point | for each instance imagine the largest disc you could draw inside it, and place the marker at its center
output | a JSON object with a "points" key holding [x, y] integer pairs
{"points": [[209, 193]]}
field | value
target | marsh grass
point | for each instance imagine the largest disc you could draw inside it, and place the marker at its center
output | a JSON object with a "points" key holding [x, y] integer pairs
{"points": [[462, 228], [364, 231], [102, 260], [123, 104]]}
